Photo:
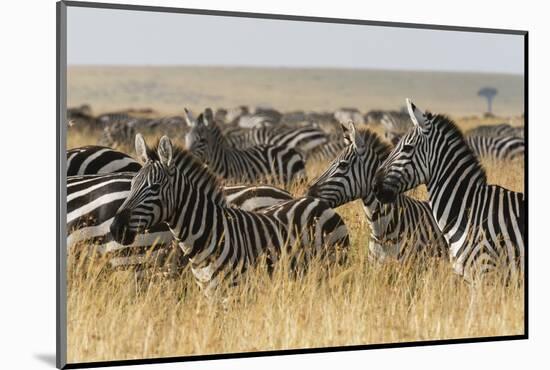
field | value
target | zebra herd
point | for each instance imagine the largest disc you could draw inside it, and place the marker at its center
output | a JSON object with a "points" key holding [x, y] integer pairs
{"points": [[175, 199]]}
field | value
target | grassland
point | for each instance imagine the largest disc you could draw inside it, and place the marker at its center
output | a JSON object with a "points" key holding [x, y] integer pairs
{"points": [[170, 89], [116, 316]]}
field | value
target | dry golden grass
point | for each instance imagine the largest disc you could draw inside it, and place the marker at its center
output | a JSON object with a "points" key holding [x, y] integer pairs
{"points": [[113, 315]]}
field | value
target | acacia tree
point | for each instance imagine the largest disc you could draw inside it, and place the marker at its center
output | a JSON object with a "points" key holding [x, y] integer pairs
{"points": [[488, 93]]}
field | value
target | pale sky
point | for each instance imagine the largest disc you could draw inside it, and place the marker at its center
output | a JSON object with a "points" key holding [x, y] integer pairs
{"points": [[124, 37]]}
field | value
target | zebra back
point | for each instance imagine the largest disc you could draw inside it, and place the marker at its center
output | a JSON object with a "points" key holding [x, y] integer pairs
{"points": [[497, 148], [93, 159], [263, 162]]}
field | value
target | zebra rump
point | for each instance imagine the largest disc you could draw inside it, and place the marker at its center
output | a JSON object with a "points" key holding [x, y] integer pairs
{"points": [[93, 160], [502, 129]]}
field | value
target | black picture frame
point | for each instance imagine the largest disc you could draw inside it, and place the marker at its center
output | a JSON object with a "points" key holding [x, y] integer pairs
{"points": [[61, 109]]}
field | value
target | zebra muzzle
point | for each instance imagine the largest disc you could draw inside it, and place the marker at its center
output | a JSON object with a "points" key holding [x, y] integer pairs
{"points": [[119, 228], [383, 191]]}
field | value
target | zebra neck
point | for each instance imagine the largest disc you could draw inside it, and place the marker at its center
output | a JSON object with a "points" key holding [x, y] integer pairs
{"points": [[196, 223], [460, 179], [219, 153]]}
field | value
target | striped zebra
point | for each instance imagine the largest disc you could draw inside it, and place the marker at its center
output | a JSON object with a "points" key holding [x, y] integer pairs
{"points": [[483, 224], [108, 118], [93, 200], [497, 148], [491, 147], [220, 241], [402, 230], [373, 116], [349, 114], [93, 160], [502, 129], [81, 117], [118, 133], [304, 139], [280, 163], [328, 151]]}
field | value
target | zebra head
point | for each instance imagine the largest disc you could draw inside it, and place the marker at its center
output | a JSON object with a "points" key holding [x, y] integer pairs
{"points": [[407, 166], [151, 200], [344, 179], [197, 139]]}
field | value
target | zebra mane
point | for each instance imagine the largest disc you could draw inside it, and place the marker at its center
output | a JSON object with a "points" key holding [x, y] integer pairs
{"points": [[194, 168], [372, 140], [448, 125]]}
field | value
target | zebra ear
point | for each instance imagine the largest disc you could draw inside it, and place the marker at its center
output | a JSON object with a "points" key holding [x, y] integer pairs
{"points": [[188, 118], [200, 120], [417, 116], [141, 148], [165, 150], [208, 115], [350, 135]]}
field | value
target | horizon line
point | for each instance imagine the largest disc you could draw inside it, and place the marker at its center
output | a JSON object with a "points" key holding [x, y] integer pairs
{"points": [[232, 66]]}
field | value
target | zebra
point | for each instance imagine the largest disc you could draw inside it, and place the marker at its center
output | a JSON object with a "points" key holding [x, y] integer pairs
{"points": [[93, 160], [492, 147], [93, 200], [118, 133], [373, 116], [402, 230], [328, 151], [498, 148], [304, 139], [255, 120], [349, 114], [498, 130], [220, 241], [108, 118], [280, 163], [483, 224]]}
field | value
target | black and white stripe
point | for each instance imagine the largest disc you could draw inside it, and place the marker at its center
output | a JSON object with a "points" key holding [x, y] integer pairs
{"points": [[93, 160], [483, 224], [93, 200], [282, 163], [328, 151], [498, 130], [117, 134], [402, 230], [304, 139], [220, 241], [497, 148]]}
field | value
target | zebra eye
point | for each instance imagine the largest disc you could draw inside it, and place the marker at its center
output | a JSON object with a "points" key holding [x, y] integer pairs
{"points": [[343, 165], [408, 147]]}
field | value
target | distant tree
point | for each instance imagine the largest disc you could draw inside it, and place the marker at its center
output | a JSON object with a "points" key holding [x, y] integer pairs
{"points": [[488, 93]]}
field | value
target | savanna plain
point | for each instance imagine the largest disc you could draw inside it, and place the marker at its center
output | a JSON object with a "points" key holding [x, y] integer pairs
{"points": [[120, 315]]}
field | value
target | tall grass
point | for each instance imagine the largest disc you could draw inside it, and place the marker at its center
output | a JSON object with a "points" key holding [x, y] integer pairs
{"points": [[116, 315]]}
